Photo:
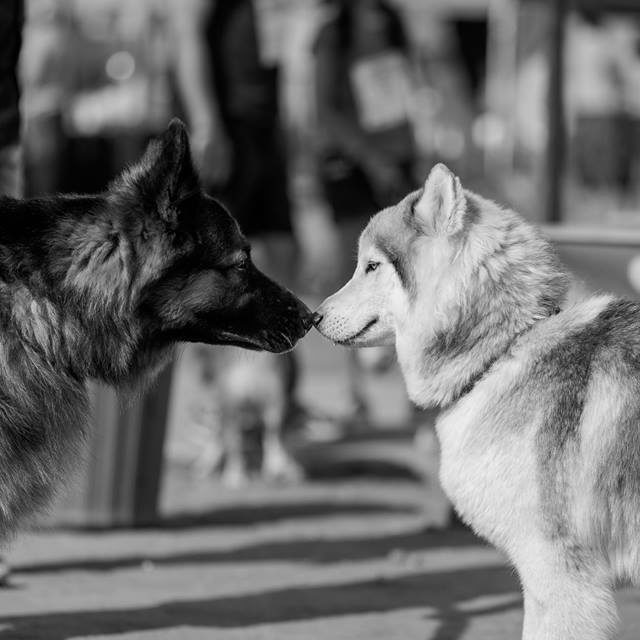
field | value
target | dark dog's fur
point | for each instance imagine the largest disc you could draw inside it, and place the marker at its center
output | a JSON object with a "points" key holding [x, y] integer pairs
{"points": [[102, 286]]}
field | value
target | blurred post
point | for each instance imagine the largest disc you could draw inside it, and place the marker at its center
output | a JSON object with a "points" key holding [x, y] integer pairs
{"points": [[119, 484], [502, 53], [104, 66], [556, 136]]}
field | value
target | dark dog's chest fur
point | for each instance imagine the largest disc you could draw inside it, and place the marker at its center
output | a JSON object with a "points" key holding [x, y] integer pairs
{"points": [[47, 353], [43, 424], [67, 315]]}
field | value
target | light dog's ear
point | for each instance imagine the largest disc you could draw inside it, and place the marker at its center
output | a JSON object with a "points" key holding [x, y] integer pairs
{"points": [[441, 208]]}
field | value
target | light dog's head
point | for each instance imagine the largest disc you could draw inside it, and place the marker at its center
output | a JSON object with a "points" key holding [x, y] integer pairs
{"points": [[448, 277], [405, 258]]}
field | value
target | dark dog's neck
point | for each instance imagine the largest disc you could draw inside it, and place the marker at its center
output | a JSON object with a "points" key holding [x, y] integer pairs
{"points": [[59, 326], [64, 292]]}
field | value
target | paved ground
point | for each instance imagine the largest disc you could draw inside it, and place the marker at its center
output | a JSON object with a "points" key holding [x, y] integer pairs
{"points": [[343, 560], [347, 559]]}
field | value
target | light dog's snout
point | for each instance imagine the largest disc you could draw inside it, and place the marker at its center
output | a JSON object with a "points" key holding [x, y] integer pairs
{"points": [[328, 321], [352, 317]]}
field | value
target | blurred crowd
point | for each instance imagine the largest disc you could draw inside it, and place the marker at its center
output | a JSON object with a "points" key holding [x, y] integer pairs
{"points": [[365, 96], [306, 116], [100, 76]]}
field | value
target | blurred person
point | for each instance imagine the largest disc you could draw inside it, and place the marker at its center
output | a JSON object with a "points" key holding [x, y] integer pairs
{"points": [[250, 397], [44, 71], [603, 128], [227, 81], [11, 23], [366, 144], [227, 61], [114, 71]]}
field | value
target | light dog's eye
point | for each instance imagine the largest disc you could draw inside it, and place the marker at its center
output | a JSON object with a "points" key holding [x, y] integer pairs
{"points": [[371, 266]]}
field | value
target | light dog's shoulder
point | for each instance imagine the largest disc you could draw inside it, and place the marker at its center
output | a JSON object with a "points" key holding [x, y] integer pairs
{"points": [[569, 324]]}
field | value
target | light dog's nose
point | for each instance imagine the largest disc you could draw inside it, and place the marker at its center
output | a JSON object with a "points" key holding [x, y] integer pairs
{"points": [[317, 318]]}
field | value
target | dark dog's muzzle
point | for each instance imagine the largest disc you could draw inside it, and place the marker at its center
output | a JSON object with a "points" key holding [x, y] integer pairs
{"points": [[307, 317], [297, 320]]}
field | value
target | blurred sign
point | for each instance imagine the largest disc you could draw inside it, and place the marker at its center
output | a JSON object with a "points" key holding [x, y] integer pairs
{"points": [[271, 19], [116, 69], [382, 87], [604, 260]]}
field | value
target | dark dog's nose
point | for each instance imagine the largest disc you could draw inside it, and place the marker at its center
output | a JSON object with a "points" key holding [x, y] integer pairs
{"points": [[307, 322], [306, 315], [316, 318]]}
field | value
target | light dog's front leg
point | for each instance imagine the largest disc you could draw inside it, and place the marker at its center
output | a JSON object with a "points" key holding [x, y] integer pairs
{"points": [[564, 599], [531, 615], [570, 614]]}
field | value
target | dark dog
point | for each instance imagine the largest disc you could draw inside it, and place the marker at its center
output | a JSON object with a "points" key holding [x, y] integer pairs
{"points": [[102, 286]]}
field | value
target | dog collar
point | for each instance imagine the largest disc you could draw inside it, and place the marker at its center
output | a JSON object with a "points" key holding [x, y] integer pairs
{"points": [[468, 388]]}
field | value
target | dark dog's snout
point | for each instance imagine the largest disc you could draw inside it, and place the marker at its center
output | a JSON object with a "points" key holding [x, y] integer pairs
{"points": [[312, 319], [307, 322], [308, 318]]}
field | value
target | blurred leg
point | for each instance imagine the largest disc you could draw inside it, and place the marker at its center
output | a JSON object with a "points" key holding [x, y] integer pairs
{"points": [[350, 229], [277, 463], [276, 255], [357, 389], [234, 474], [427, 446], [11, 182]]}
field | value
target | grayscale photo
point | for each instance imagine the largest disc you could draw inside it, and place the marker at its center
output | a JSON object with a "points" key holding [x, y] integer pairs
{"points": [[320, 319]]}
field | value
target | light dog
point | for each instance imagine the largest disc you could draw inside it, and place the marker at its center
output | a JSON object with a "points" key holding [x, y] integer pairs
{"points": [[540, 429]]}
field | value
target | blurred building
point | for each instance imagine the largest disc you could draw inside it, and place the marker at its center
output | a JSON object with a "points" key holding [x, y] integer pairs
{"points": [[95, 77]]}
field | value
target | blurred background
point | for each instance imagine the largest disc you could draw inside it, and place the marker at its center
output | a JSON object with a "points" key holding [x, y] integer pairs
{"points": [[296, 496], [306, 117]]}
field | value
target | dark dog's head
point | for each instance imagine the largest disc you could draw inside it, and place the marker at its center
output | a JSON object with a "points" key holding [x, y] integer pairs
{"points": [[196, 280]]}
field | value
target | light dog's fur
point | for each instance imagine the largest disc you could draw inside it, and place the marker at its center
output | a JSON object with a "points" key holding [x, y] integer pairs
{"points": [[540, 431]]}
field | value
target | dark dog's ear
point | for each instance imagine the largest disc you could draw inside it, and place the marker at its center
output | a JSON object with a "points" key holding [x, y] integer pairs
{"points": [[166, 174]]}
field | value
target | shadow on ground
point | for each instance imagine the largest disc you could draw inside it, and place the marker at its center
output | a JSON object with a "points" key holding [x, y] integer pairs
{"points": [[441, 592], [314, 550], [251, 513], [265, 513]]}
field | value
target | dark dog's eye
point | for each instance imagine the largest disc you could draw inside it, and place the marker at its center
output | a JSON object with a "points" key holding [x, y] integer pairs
{"points": [[371, 266], [242, 265], [237, 266]]}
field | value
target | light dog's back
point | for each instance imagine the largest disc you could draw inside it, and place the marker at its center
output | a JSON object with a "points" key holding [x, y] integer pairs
{"points": [[540, 431]]}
